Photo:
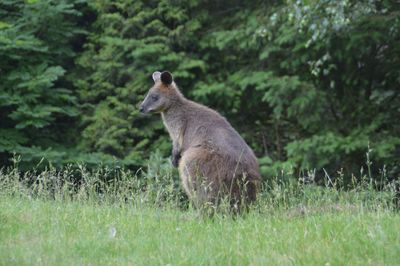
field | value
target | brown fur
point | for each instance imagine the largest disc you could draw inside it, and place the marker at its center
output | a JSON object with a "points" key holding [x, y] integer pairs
{"points": [[214, 160]]}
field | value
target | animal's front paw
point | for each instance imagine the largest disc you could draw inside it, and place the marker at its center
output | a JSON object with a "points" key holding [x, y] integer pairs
{"points": [[175, 160]]}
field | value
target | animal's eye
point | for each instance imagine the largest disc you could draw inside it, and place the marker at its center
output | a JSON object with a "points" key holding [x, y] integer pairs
{"points": [[154, 97]]}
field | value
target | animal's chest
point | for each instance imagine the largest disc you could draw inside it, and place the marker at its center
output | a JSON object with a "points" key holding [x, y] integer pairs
{"points": [[175, 128]]}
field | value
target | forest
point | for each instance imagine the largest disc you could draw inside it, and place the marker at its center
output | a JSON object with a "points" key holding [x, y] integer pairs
{"points": [[313, 86], [310, 85]]}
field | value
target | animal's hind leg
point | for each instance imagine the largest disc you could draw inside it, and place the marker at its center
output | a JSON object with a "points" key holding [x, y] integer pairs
{"points": [[199, 176]]}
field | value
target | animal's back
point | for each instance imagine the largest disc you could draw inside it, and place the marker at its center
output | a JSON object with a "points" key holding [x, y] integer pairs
{"points": [[208, 128]]}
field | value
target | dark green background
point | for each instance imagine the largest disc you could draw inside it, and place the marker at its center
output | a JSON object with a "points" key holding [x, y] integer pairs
{"points": [[310, 85]]}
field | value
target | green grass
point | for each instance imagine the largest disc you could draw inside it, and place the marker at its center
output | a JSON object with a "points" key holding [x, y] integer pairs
{"points": [[71, 233], [142, 219]]}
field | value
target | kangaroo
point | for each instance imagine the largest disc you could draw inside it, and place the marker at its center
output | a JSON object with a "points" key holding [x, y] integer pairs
{"points": [[213, 159]]}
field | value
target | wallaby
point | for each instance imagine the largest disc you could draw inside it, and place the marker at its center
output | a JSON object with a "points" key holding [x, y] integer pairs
{"points": [[214, 161]]}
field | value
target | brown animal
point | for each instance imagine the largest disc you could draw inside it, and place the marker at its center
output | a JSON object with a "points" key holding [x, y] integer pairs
{"points": [[214, 161]]}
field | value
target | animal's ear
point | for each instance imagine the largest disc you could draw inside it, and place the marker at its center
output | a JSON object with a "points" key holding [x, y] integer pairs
{"points": [[156, 76], [166, 78]]}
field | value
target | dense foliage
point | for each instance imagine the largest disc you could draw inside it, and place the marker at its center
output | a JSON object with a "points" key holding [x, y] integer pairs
{"points": [[309, 84], [38, 106]]}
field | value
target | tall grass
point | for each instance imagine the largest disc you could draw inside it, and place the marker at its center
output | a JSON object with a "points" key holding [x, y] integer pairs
{"points": [[159, 186], [105, 216]]}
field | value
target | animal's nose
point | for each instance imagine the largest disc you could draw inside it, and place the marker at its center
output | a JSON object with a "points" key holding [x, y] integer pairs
{"points": [[141, 109]]}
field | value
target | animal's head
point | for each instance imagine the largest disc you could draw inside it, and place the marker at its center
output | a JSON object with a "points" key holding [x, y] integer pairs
{"points": [[162, 95]]}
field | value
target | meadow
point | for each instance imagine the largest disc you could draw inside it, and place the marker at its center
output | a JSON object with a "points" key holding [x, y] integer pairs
{"points": [[117, 217], [307, 84]]}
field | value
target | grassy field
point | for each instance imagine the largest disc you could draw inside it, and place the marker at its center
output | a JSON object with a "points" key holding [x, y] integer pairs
{"points": [[138, 223]]}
